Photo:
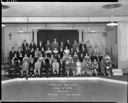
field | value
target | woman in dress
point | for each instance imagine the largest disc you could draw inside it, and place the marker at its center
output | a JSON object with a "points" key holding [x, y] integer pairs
{"points": [[78, 67]]}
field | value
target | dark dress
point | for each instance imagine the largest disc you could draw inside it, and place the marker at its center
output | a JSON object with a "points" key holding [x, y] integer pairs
{"points": [[47, 67], [43, 53], [11, 54], [32, 46], [24, 46], [31, 69], [43, 70]]}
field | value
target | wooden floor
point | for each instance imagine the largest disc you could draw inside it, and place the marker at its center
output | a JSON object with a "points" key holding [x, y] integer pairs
{"points": [[58, 90]]}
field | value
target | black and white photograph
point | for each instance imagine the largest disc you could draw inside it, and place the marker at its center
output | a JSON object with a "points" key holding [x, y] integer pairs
{"points": [[64, 51]]}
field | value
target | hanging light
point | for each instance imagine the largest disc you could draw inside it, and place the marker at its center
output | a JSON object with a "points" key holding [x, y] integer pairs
{"points": [[112, 18], [27, 26], [112, 6], [92, 29], [20, 31]]}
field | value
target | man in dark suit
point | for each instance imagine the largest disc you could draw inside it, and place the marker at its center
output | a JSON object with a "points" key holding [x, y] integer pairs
{"points": [[68, 44], [40, 45], [24, 44], [32, 45], [12, 53]]}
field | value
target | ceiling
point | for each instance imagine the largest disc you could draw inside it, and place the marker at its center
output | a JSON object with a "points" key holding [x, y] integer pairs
{"points": [[61, 9]]}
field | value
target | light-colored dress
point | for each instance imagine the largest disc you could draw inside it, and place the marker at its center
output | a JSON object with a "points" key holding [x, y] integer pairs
{"points": [[78, 67], [37, 66]]}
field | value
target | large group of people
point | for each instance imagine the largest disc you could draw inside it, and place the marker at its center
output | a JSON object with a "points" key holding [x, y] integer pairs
{"points": [[57, 59]]}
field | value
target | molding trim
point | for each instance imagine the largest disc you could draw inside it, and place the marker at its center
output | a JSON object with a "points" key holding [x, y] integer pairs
{"points": [[60, 19], [69, 78]]}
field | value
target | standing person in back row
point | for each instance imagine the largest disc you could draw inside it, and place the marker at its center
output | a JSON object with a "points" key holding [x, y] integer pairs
{"points": [[32, 45], [47, 45], [68, 44], [24, 44], [55, 44], [40, 45], [12, 53], [75, 45]]}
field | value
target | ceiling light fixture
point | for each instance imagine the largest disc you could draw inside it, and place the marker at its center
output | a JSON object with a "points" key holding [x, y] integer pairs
{"points": [[92, 27], [3, 25], [20, 31], [27, 27], [111, 7]]}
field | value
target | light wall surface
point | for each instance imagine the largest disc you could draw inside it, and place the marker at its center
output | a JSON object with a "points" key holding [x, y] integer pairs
{"points": [[123, 45]]}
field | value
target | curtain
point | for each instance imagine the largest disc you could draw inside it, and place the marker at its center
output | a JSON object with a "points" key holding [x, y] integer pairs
{"points": [[60, 35]]}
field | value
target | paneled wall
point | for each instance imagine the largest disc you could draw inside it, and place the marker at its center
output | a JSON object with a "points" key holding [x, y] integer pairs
{"points": [[123, 45], [97, 38], [15, 39]]}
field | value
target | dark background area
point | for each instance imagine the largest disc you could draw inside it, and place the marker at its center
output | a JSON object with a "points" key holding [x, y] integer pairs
{"points": [[60, 35]]}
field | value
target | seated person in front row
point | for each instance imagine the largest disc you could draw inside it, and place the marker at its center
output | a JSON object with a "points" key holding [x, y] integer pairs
{"points": [[102, 67], [25, 67], [67, 66], [95, 67], [43, 71], [55, 67], [48, 70], [31, 67], [73, 67], [83, 64], [108, 67], [78, 67], [11, 70], [37, 67], [62, 68], [18, 67], [89, 70]]}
